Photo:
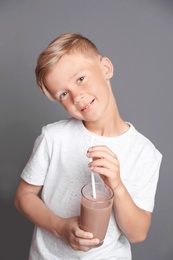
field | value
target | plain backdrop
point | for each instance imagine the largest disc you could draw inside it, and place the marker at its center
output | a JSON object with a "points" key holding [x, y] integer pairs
{"points": [[137, 35]]}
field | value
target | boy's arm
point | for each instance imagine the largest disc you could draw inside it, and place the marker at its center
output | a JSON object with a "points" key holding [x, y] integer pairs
{"points": [[132, 220], [29, 204]]}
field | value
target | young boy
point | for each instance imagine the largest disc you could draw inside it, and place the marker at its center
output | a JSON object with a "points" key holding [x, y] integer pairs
{"points": [[72, 71]]}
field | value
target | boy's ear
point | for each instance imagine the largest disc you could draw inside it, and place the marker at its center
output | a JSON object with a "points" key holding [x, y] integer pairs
{"points": [[107, 66]]}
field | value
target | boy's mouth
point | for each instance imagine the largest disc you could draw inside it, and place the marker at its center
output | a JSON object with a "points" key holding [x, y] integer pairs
{"points": [[87, 106]]}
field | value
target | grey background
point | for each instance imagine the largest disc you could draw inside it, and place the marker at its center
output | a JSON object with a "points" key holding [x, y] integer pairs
{"points": [[138, 37]]}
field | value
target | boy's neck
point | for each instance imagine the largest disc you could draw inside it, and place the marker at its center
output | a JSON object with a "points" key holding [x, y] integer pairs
{"points": [[113, 126]]}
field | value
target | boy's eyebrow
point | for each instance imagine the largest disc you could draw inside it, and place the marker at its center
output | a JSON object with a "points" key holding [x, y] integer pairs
{"points": [[76, 74]]}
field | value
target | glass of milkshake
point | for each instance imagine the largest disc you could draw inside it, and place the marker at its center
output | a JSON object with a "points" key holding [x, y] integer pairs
{"points": [[95, 212]]}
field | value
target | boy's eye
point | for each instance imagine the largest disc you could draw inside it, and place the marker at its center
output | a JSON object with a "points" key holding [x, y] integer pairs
{"points": [[80, 79], [63, 95]]}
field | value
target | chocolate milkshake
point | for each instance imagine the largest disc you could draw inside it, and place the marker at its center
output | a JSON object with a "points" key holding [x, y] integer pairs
{"points": [[95, 212]]}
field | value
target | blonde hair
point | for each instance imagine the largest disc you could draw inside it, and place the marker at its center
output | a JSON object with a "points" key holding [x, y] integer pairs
{"points": [[63, 44]]}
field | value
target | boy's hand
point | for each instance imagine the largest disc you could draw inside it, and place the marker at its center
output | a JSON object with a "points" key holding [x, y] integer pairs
{"points": [[76, 237], [106, 164]]}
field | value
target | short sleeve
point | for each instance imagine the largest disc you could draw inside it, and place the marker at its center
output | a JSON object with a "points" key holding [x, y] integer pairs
{"points": [[145, 183], [36, 168]]}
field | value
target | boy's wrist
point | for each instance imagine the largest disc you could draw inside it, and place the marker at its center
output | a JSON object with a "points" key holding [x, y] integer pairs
{"points": [[119, 191], [56, 225]]}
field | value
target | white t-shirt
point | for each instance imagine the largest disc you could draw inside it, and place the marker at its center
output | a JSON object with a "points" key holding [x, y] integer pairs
{"points": [[59, 163]]}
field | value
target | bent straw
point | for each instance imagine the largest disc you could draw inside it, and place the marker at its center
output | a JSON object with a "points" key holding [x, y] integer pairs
{"points": [[92, 175]]}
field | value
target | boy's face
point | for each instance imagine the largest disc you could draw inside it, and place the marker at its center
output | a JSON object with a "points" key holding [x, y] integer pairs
{"points": [[81, 85]]}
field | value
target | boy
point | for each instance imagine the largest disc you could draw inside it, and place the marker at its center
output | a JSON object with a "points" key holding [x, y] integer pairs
{"points": [[72, 71]]}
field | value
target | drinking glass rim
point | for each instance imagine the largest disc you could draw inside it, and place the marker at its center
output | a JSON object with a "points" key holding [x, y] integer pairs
{"points": [[101, 201]]}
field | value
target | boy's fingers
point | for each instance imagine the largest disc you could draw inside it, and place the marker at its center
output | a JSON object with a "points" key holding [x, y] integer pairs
{"points": [[100, 148], [89, 243], [100, 152], [82, 234], [85, 240]]}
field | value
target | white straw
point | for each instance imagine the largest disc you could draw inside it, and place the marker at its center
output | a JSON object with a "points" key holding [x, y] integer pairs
{"points": [[93, 185], [92, 175]]}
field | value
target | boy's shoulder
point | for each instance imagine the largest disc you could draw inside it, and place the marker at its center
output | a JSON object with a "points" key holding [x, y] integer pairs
{"points": [[57, 127], [143, 144]]}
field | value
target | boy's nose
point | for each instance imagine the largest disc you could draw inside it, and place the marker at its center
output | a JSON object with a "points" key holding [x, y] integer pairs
{"points": [[77, 99]]}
